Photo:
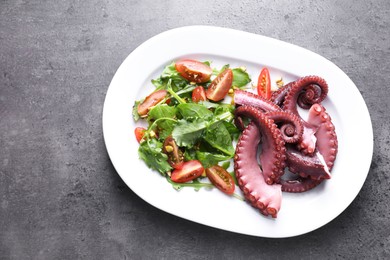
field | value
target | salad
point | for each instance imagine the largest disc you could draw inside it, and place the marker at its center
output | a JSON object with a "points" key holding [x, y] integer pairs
{"points": [[191, 132]]}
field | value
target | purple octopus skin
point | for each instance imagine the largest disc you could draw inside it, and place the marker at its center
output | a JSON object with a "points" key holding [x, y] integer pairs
{"points": [[289, 121], [327, 144], [290, 125], [273, 154], [316, 90], [313, 157], [292, 96], [266, 198], [278, 96], [242, 97], [299, 184], [318, 165], [309, 96]]}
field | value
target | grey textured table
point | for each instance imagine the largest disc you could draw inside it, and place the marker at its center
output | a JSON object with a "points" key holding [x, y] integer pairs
{"points": [[60, 196]]}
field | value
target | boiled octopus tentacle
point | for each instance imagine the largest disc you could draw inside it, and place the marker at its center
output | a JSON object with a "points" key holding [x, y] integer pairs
{"points": [[299, 184], [302, 84], [319, 165], [310, 159], [267, 198], [289, 124], [313, 167], [327, 144], [242, 97], [278, 96], [273, 154], [310, 96], [306, 91]]}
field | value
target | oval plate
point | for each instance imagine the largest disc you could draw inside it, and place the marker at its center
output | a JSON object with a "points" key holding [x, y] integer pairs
{"points": [[300, 213]]}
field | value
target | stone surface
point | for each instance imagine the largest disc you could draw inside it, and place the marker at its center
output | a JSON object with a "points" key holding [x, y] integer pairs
{"points": [[60, 196]]}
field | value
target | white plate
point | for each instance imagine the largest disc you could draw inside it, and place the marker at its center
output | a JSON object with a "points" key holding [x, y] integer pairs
{"points": [[300, 213]]}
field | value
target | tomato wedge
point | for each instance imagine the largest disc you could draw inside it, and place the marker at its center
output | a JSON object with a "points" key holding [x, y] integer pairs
{"points": [[150, 101], [199, 94], [221, 179], [189, 171], [139, 133], [172, 150], [220, 86], [194, 71], [264, 84]]}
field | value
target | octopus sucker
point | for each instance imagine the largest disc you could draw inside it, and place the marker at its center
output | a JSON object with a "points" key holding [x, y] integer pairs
{"points": [[308, 148], [268, 198], [299, 184]]}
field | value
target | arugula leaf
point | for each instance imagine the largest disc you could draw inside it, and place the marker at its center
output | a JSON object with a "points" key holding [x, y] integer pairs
{"points": [[170, 73], [207, 62], [240, 78], [159, 83], [150, 151], [209, 159], [223, 108], [135, 110], [188, 133], [162, 110], [226, 165], [232, 129], [165, 127], [191, 111], [209, 104], [218, 137], [189, 154]]}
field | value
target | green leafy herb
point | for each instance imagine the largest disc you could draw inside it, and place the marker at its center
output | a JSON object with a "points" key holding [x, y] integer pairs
{"points": [[150, 151], [162, 110], [209, 159], [135, 110], [192, 111], [170, 73], [226, 165], [240, 78], [188, 133], [219, 138], [232, 129], [164, 127], [190, 154]]}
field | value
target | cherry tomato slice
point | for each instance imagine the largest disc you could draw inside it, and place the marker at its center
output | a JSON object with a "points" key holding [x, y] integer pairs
{"points": [[220, 86], [175, 155], [139, 133], [151, 101], [194, 71], [221, 179], [190, 171], [264, 84], [199, 94]]}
